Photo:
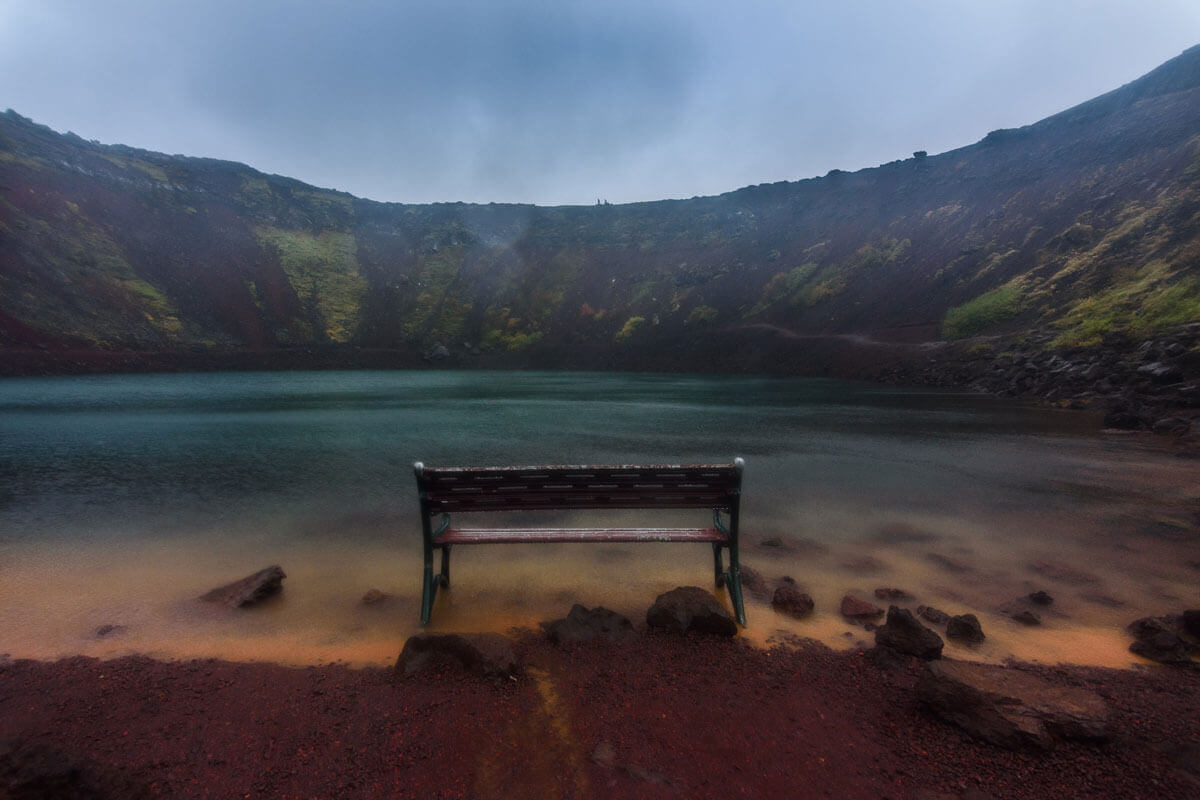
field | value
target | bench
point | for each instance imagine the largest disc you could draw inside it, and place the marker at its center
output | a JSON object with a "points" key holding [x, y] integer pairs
{"points": [[444, 491]]}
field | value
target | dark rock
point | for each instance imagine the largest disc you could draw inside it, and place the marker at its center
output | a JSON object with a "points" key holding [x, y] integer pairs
{"points": [[1161, 372], [374, 597], [1026, 617], [855, 608], [888, 659], [586, 625], [892, 594], [1164, 639], [904, 634], [1165, 647], [249, 590], [791, 601], [934, 615], [1010, 708], [1191, 622], [966, 628], [486, 654], [690, 609], [1148, 626], [1040, 598]]}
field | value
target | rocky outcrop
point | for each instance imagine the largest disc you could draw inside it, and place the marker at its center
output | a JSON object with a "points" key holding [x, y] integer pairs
{"points": [[248, 591], [903, 634], [690, 609], [1010, 708], [586, 625], [1151, 384], [488, 654]]}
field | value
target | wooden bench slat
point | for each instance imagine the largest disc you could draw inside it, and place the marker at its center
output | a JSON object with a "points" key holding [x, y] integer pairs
{"points": [[568, 502], [549, 535]]}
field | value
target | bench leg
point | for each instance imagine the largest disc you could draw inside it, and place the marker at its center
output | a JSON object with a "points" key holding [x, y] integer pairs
{"points": [[733, 581], [428, 590], [734, 584], [445, 579], [717, 566]]}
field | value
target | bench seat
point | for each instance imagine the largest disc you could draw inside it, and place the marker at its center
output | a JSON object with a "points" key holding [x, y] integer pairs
{"points": [[551, 535]]}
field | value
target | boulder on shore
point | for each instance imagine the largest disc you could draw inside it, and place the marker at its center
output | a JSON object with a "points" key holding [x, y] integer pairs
{"points": [[588, 624], [488, 654], [1010, 708], [249, 590], [788, 599], [690, 609], [966, 628], [856, 608], [903, 634], [1169, 639]]}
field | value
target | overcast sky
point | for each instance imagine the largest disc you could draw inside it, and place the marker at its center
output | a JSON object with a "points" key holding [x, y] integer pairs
{"points": [[554, 101]]}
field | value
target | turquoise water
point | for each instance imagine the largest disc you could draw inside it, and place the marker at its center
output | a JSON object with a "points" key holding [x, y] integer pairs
{"points": [[189, 478]]}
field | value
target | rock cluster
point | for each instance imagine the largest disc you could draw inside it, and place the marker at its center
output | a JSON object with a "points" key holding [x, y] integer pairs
{"points": [[1152, 384]]}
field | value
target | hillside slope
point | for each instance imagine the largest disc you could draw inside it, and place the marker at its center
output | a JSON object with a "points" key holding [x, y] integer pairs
{"points": [[1085, 225]]}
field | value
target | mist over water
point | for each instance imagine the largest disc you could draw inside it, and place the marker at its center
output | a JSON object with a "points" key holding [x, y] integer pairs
{"points": [[122, 498]]}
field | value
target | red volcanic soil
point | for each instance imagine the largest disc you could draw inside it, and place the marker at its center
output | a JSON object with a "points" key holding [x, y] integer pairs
{"points": [[661, 717]]}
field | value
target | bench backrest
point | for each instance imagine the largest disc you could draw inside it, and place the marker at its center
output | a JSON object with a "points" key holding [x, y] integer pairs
{"points": [[458, 489]]}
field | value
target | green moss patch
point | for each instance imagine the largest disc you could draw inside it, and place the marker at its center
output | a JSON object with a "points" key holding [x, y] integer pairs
{"points": [[983, 312], [323, 271], [1148, 301]]}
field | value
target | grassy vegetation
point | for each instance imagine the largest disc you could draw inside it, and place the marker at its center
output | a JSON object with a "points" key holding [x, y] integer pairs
{"points": [[323, 271], [984, 311], [1142, 304], [628, 329], [701, 315]]}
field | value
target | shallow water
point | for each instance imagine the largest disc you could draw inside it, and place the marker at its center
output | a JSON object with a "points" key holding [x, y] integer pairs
{"points": [[122, 498]]}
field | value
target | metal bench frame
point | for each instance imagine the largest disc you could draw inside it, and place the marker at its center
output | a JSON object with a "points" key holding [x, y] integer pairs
{"points": [[447, 490]]}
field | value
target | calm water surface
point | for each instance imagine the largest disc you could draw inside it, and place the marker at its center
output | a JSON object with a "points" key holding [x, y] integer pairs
{"points": [[124, 497]]}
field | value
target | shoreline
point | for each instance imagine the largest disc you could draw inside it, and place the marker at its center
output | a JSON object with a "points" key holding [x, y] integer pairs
{"points": [[662, 716]]}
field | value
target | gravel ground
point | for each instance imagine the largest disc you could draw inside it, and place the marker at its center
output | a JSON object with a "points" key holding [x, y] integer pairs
{"points": [[662, 717]]}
